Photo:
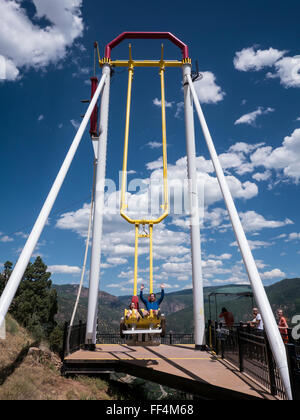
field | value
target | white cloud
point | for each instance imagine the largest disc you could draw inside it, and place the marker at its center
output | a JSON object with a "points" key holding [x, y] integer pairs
{"points": [[8, 70], [288, 70], [179, 109], [157, 102], [207, 90], [6, 239], [25, 44], [262, 176], [75, 124], [156, 164], [285, 158], [154, 144], [116, 261], [220, 257], [249, 59], [64, 269], [294, 236], [275, 273], [253, 222], [41, 117], [252, 116], [254, 244]]}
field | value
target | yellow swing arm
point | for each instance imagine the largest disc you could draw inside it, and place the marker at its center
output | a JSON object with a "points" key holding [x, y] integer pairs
{"points": [[137, 222]]}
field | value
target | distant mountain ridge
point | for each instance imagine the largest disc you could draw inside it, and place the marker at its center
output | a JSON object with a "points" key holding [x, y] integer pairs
{"points": [[178, 306]]}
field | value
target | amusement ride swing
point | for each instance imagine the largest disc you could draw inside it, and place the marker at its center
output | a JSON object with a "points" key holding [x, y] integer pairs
{"points": [[99, 138], [149, 327]]}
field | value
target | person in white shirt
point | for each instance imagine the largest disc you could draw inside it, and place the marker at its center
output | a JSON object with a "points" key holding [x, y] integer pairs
{"points": [[257, 322]]}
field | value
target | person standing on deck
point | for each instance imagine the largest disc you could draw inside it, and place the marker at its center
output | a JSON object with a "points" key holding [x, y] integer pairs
{"points": [[283, 326]]}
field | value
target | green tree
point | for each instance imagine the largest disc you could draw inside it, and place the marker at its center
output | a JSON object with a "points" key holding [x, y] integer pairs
{"points": [[35, 303], [4, 276]]}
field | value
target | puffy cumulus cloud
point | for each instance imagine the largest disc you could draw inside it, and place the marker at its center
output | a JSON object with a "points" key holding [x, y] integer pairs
{"points": [[118, 236], [157, 102], [8, 70], [262, 176], [244, 148], [116, 261], [6, 239], [273, 274], [154, 144], [253, 222], [249, 59], [207, 90], [207, 184], [63, 269], [251, 117], [288, 71], [255, 244], [284, 158], [294, 236], [25, 43]]}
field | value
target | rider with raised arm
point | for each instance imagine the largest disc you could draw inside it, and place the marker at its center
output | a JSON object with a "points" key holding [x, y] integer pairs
{"points": [[152, 303]]}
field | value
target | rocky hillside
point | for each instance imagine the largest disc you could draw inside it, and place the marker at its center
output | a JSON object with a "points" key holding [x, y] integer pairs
{"points": [[29, 371]]}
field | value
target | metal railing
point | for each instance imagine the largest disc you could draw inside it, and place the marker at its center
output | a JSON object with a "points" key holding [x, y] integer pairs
{"points": [[248, 349], [170, 338], [74, 338]]}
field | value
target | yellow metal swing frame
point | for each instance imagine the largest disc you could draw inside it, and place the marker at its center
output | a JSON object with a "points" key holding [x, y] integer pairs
{"points": [[150, 323], [138, 222]]}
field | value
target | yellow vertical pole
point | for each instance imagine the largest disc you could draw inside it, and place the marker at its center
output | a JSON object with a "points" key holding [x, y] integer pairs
{"points": [[164, 134], [136, 250], [125, 157], [151, 256]]}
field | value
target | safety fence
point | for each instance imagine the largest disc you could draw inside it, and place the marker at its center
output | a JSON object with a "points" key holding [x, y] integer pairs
{"points": [[74, 338], [249, 350], [171, 339]]}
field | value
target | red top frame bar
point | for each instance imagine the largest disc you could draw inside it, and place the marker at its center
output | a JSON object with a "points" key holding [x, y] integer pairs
{"points": [[147, 35]]}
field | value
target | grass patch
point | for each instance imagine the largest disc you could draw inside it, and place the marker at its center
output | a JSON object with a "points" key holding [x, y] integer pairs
{"points": [[11, 326]]}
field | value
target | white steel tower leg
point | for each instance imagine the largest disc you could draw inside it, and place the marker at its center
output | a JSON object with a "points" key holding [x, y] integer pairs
{"points": [[98, 216], [198, 301], [273, 334], [20, 267]]}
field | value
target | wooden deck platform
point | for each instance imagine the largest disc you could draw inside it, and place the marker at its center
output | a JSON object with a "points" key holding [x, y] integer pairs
{"points": [[177, 366]]}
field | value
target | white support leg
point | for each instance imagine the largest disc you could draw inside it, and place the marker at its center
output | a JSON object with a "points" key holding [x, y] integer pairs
{"points": [[273, 334], [20, 267], [198, 301], [98, 216]]}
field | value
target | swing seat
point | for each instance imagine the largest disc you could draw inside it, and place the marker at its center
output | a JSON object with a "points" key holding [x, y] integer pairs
{"points": [[150, 324]]}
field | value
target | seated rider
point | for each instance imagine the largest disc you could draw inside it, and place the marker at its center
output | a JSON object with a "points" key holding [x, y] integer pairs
{"points": [[133, 312], [152, 303]]}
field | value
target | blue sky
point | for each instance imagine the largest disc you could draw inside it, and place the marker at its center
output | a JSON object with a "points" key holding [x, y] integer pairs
{"points": [[248, 54]]}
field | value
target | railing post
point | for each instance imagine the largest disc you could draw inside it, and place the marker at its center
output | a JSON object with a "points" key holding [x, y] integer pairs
{"points": [[65, 349], [79, 335], [271, 366], [240, 348], [222, 349]]}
